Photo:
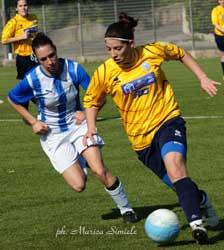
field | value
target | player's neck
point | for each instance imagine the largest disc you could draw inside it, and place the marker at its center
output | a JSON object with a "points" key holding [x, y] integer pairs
{"points": [[130, 61]]}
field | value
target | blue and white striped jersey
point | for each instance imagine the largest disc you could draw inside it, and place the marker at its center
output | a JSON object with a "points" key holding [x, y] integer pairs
{"points": [[57, 98]]}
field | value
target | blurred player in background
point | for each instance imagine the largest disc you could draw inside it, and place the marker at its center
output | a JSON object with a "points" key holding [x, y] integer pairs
{"points": [[150, 113], [20, 31], [217, 16], [55, 85]]}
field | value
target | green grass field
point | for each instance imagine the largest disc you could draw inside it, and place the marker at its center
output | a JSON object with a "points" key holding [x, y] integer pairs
{"points": [[39, 211]]}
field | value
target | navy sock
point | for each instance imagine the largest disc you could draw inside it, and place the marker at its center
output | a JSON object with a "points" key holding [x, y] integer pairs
{"points": [[189, 198], [115, 185]]}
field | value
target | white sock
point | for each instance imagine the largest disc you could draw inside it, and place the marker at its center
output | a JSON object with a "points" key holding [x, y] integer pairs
{"points": [[196, 223], [120, 198]]}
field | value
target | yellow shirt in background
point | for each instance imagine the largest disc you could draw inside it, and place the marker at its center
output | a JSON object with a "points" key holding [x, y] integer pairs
{"points": [[142, 94], [217, 17], [15, 27]]}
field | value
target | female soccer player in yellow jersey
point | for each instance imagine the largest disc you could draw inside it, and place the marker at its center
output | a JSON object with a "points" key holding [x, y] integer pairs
{"points": [[150, 114], [20, 31], [217, 16]]}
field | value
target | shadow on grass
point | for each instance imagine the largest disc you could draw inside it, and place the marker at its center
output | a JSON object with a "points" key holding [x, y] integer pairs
{"points": [[177, 243], [218, 237], [142, 212]]}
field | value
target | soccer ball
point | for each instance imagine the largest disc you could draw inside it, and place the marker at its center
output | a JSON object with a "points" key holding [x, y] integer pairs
{"points": [[162, 226]]}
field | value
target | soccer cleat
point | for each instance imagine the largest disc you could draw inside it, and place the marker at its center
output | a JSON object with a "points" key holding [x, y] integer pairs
{"points": [[130, 217], [199, 233], [209, 215]]}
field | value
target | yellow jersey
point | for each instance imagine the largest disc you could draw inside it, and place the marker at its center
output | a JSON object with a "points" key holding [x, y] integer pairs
{"points": [[15, 27], [142, 93], [217, 17]]}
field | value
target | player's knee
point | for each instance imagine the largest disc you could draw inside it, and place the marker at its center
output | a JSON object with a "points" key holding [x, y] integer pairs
{"points": [[78, 187], [176, 176], [177, 171]]}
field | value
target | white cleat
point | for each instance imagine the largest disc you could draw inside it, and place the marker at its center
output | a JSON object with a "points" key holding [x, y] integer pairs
{"points": [[200, 235]]}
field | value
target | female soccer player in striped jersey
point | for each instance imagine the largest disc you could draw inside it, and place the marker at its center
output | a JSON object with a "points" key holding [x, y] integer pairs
{"points": [[217, 16], [150, 114], [54, 85]]}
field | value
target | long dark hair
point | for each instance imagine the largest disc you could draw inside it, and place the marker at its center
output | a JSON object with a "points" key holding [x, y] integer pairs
{"points": [[41, 40], [123, 29]]}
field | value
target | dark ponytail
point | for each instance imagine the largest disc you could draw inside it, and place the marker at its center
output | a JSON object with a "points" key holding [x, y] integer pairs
{"points": [[123, 17], [123, 29]]}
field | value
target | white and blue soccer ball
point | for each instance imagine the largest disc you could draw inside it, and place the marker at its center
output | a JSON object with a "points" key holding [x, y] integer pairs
{"points": [[162, 226]]}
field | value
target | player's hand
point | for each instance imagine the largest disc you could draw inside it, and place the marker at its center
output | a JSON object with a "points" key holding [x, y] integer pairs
{"points": [[80, 116], [26, 35], [40, 128], [89, 136], [209, 86]]}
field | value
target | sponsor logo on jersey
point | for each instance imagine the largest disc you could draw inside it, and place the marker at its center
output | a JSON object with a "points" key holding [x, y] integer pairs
{"points": [[139, 83], [145, 66]]}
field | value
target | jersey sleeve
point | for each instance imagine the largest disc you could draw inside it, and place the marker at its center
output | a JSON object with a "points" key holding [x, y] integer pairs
{"points": [[83, 77], [21, 93], [8, 30], [214, 17], [79, 77], [96, 94], [166, 51], [78, 74]]}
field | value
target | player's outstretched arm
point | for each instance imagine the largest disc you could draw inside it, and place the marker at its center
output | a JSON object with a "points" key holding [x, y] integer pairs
{"points": [[208, 85], [91, 115]]}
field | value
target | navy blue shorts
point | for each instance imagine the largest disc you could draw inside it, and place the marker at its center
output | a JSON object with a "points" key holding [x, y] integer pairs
{"points": [[171, 137], [219, 42], [24, 64]]}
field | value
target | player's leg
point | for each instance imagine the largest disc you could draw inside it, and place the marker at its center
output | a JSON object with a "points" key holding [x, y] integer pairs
{"points": [[173, 147], [222, 62], [187, 192], [210, 217], [173, 139], [169, 147], [21, 65], [75, 177], [112, 184], [220, 45], [65, 159]]}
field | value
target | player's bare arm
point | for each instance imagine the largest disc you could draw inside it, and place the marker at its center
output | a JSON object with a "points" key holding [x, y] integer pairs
{"points": [[91, 115], [208, 85], [38, 127]]}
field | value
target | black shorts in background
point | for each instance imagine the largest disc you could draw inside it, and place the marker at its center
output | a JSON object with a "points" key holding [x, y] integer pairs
{"points": [[219, 42], [24, 64]]}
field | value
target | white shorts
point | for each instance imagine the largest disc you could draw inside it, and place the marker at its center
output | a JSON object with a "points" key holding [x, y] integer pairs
{"points": [[63, 149]]}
